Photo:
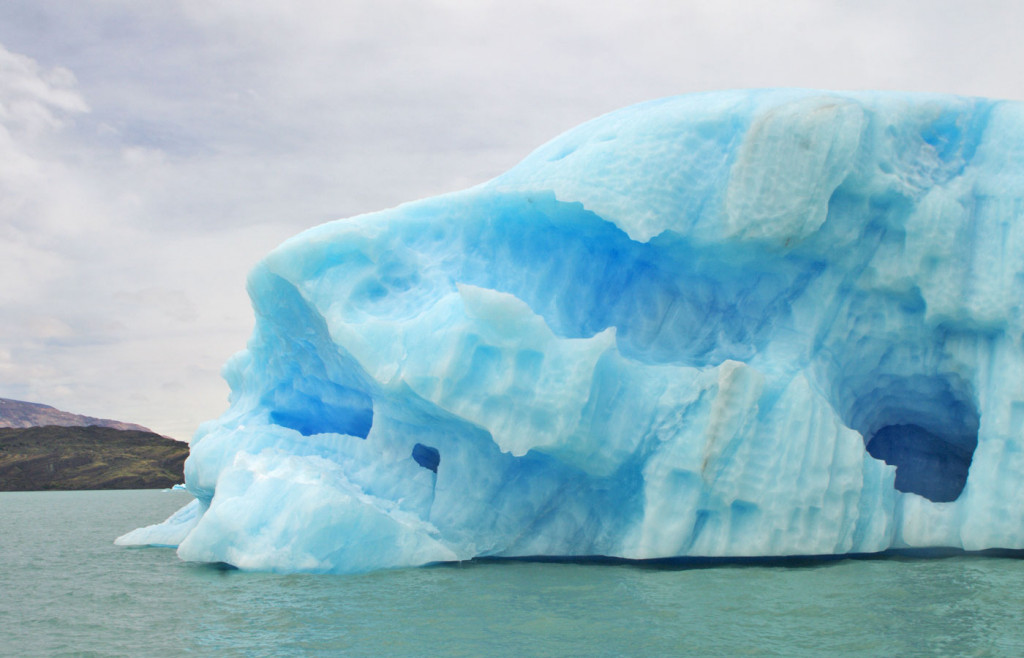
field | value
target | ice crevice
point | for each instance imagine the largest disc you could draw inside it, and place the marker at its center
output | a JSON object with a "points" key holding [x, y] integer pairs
{"points": [[779, 322]]}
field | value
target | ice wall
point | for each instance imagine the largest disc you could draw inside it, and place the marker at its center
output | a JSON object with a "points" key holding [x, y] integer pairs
{"points": [[727, 324]]}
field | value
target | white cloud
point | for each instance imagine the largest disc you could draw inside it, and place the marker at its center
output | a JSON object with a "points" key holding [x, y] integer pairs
{"points": [[33, 99], [152, 152]]}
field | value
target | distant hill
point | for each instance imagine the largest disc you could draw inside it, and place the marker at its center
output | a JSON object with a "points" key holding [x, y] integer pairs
{"points": [[42, 458], [15, 413], [42, 447]]}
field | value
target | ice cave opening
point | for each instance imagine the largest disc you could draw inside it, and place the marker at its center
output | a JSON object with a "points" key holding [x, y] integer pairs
{"points": [[334, 409], [427, 457], [925, 426], [927, 463]]}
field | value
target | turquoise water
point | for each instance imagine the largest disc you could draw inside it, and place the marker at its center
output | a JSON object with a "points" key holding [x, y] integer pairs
{"points": [[66, 589]]}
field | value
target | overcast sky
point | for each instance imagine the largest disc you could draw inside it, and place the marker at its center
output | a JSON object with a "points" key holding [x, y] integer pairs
{"points": [[152, 152]]}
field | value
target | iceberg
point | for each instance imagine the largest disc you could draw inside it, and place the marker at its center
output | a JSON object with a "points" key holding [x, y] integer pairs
{"points": [[749, 323]]}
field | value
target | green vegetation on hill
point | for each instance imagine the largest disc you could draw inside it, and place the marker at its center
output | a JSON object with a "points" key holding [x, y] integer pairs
{"points": [[67, 458]]}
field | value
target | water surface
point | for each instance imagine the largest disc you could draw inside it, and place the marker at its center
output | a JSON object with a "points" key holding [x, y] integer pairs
{"points": [[66, 589]]}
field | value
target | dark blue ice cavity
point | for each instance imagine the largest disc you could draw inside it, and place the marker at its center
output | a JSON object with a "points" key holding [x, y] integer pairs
{"points": [[927, 463], [925, 426], [337, 410], [427, 457]]}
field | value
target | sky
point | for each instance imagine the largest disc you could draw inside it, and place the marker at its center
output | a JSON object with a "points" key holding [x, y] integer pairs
{"points": [[152, 152]]}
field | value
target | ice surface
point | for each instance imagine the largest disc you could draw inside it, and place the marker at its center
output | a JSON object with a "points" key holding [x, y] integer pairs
{"points": [[728, 324]]}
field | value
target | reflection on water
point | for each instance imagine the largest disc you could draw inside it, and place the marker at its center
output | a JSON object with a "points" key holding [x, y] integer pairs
{"points": [[66, 588]]}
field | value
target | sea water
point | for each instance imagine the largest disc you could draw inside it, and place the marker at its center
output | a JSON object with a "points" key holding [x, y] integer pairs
{"points": [[66, 589]]}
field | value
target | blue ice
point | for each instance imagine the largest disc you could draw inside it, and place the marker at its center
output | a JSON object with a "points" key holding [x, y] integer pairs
{"points": [[757, 323]]}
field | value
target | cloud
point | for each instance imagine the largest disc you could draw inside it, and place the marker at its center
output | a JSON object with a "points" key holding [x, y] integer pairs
{"points": [[92, 299], [152, 152], [33, 99]]}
